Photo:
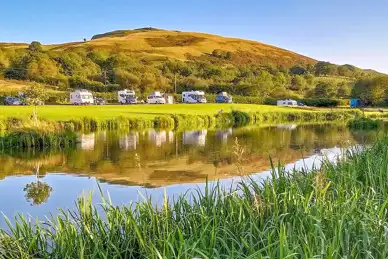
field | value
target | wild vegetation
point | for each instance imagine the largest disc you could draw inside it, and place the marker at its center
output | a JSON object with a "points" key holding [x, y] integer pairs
{"points": [[336, 211], [364, 123], [147, 59], [166, 116]]}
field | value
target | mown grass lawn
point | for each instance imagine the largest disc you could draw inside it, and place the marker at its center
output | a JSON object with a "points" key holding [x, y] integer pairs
{"points": [[67, 112]]}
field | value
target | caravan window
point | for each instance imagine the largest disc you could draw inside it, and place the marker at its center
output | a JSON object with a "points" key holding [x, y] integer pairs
{"points": [[289, 103], [85, 96]]}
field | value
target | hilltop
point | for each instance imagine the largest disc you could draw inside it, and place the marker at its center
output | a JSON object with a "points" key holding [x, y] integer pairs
{"points": [[146, 59]]}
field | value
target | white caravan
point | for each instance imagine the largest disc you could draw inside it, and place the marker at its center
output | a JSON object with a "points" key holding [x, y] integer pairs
{"points": [[127, 97], [193, 97], [156, 98], [287, 103], [81, 96]]}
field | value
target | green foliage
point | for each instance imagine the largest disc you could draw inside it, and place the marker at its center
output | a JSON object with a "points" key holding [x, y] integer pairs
{"points": [[37, 192], [94, 68], [321, 102], [35, 46], [30, 137], [364, 124], [35, 95], [371, 91]]}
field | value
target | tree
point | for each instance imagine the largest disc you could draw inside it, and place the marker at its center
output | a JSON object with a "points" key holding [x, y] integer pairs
{"points": [[35, 46], [371, 91], [324, 90], [35, 95], [126, 79], [298, 83], [343, 90], [37, 192], [324, 68], [229, 55], [297, 70]]}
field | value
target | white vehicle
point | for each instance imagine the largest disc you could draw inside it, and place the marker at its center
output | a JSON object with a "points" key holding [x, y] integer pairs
{"points": [[80, 97], [127, 97], [287, 103], [156, 98], [193, 97]]}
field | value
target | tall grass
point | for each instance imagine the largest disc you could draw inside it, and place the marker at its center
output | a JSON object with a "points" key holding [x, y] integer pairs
{"points": [[34, 138], [338, 211]]}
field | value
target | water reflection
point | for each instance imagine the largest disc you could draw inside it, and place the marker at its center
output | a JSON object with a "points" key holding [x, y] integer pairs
{"points": [[195, 137], [125, 162], [159, 158]]}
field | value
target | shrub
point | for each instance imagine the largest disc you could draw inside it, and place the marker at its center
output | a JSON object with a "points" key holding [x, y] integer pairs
{"points": [[364, 124]]}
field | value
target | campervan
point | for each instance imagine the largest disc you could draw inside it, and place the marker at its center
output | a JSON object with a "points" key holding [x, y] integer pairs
{"points": [[127, 97], [193, 97], [287, 103], [81, 96], [156, 98], [223, 97]]}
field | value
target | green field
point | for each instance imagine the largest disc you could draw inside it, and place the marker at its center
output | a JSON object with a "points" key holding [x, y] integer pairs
{"points": [[57, 112]]}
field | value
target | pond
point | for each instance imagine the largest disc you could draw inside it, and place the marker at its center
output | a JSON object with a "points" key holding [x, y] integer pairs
{"points": [[130, 165]]}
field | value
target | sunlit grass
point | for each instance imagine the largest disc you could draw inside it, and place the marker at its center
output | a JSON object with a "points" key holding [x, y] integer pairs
{"points": [[67, 112]]}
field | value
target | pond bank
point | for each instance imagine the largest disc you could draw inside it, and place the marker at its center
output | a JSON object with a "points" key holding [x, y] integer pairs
{"points": [[336, 211], [211, 116]]}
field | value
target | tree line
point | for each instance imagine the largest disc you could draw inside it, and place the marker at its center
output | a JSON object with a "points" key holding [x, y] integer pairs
{"points": [[102, 71]]}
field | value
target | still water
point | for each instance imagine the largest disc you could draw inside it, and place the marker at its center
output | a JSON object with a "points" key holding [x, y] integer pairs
{"points": [[130, 165]]}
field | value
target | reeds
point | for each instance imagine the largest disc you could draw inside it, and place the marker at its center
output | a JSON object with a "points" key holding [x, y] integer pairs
{"points": [[170, 120], [338, 211], [34, 138], [364, 124]]}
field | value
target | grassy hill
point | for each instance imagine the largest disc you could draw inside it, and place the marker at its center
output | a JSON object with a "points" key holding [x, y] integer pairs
{"points": [[188, 45], [150, 59]]}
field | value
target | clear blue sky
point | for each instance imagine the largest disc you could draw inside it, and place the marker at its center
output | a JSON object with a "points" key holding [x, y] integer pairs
{"points": [[340, 31]]}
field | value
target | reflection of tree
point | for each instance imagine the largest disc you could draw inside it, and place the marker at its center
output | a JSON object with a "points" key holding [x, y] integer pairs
{"points": [[37, 192]]}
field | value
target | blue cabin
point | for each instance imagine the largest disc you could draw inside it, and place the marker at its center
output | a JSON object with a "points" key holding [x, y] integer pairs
{"points": [[355, 103]]}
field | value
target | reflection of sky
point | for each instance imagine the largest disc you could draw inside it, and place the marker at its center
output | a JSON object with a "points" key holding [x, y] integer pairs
{"points": [[66, 189]]}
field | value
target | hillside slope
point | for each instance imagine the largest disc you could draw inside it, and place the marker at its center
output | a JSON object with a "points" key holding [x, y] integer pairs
{"points": [[183, 46]]}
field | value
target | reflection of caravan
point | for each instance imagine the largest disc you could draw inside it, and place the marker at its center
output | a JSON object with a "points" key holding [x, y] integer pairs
{"points": [[223, 135], [127, 97], [129, 141], [287, 126], [193, 97], [195, 137], [157, 137], [86, 141], [81, 96]]}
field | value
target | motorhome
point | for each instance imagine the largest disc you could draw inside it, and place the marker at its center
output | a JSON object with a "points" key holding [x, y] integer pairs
{"points": [[223, 97], [156, 98], [193, 97], [127, 97], [287, 103], [81, 97]]}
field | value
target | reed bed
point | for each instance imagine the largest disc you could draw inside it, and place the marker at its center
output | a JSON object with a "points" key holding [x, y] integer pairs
{"points": [[337, 211], [185, 116], [365, 124], [35, 138]]}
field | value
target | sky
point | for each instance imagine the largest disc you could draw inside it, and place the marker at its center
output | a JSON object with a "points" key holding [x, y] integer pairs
{"points": [[340, 31]]}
